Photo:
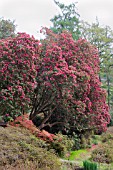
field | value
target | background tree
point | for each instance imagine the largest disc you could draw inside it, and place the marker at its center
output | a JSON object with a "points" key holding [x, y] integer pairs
{"points": [[7, 28], [102, 38], [68, 19]]}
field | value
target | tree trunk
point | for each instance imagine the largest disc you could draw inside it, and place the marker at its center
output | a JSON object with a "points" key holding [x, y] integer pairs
{"points": [[108, 89]]}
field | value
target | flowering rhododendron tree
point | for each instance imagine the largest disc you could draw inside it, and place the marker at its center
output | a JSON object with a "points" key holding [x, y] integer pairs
{"points": [[68, 89], [56, 79], [18, 58]]}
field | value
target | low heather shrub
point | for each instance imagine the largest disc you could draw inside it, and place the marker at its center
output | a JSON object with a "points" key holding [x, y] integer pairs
{"points": [[19, 149], [103, 153]]}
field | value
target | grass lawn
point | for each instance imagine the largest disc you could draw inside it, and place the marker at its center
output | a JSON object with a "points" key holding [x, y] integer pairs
{"points": [[83, 154], [78, 155]]}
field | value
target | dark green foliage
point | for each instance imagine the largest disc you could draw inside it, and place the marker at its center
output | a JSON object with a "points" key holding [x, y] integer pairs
{"points": [[95, 139], [76, 140], [85, 139], [90, 165], [111, 112]]}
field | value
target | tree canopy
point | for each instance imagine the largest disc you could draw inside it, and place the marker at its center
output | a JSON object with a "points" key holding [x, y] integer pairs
{"points": [[7, 28], [67, 19]]}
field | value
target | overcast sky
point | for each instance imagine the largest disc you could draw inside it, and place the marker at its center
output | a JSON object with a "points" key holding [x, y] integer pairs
{"points": [[30, 15]]}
